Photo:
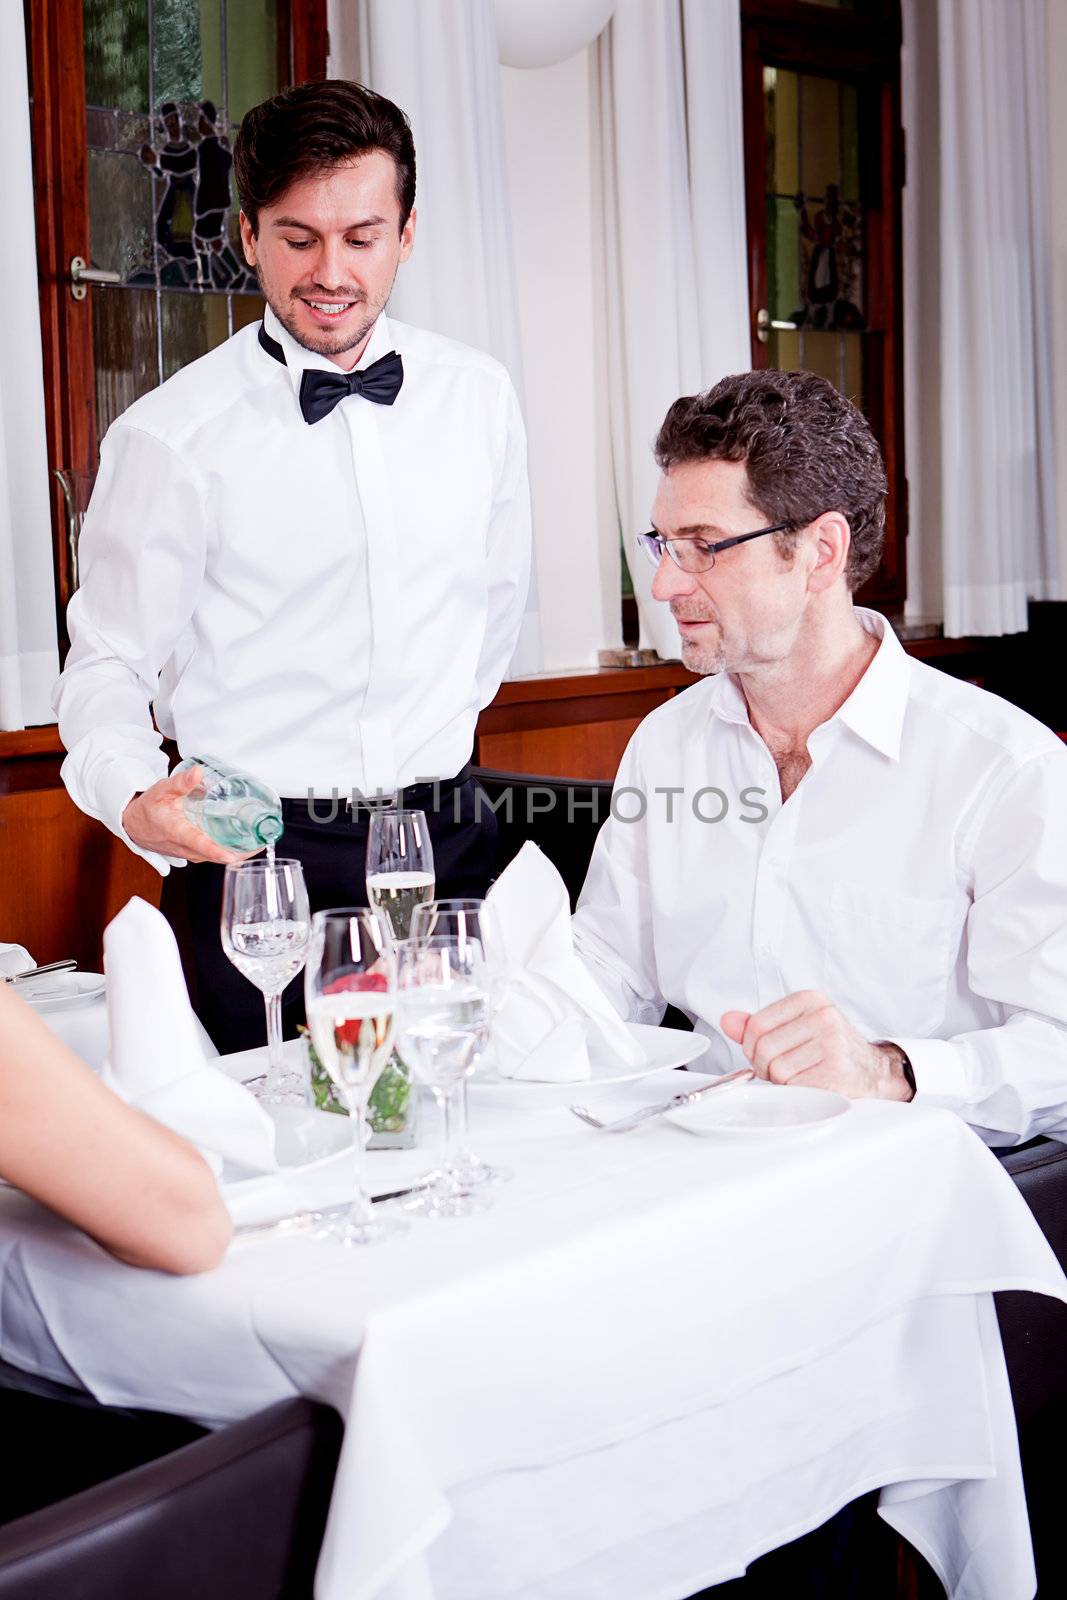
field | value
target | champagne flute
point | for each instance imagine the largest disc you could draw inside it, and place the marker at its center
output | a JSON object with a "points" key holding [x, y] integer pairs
{"points": [[443, 1027], [350, 991], [399, 866], [459, 920], [266, 923]]}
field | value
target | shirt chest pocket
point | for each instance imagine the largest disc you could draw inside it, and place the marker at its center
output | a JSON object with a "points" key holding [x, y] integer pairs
{"points": [[888, 958]]}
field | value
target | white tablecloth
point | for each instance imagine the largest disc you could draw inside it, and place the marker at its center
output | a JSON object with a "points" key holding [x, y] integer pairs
{"points": [[83, 1026], [659, 1356]]}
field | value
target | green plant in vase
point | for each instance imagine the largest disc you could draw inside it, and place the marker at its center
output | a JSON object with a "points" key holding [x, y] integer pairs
{"points": [[390, 1104]]}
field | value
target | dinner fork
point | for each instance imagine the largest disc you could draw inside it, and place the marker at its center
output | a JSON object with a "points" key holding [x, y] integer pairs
{"points": [[624, 1124]]}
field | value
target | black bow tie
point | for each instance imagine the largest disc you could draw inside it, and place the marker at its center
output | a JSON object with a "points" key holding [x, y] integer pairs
{"points": [[320, 391]]}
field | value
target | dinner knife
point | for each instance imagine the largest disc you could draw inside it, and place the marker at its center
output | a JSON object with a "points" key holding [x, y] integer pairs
{"points": [[624, 1124], [297, 1221]]}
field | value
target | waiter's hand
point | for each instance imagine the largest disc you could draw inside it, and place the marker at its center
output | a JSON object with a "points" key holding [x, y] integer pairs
{"points": [[156, 821], [805, 1040]]}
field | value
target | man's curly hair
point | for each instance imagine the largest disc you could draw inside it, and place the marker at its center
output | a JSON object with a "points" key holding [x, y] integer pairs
{"points": [[807, 450]]}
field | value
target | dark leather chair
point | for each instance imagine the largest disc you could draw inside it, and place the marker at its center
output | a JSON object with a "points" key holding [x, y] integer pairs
{"points": [[234, 1515], [1034, 1330], [561, 815]]}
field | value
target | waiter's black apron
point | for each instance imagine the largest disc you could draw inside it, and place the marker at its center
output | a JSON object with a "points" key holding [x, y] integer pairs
{"points": [[333, 852]]}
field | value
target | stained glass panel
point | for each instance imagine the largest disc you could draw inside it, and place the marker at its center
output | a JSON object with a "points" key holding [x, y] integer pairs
{"points": [[819, 118], [116, 54], [186, 328], [120, 216], [783, 260], [815, 255], [183, 32], [783, 351], [852, 355], [167, 83], [246, 308], [815, 226], [124, 350], [251, 54]]}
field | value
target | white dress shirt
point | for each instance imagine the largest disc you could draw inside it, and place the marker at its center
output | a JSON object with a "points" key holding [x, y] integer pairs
{"points": [[917, 876], [324, 606]]}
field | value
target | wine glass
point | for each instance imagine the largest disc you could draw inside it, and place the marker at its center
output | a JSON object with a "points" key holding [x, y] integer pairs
{"points": [[399, 866], [443, 1029], [266, 923], [461, 919], [350, 992]]}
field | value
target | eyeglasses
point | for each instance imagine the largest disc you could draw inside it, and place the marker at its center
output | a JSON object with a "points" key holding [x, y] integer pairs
{"points": [[697, 555]]}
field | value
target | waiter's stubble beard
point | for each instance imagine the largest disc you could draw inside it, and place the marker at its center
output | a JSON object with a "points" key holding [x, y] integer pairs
{"points": [[324, 343]]}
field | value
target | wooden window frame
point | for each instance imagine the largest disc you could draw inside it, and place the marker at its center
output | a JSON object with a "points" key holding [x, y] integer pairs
{"points": [[831, 41], [56, 71]]}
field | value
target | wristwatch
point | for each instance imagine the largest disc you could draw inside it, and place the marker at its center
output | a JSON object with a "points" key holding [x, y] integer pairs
{"points": [[905, 1064]]}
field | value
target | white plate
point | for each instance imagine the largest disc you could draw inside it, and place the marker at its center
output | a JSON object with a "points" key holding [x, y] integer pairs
{"points": [[58, 990], [760, 1108], [662, 1048], [314, 1150]]}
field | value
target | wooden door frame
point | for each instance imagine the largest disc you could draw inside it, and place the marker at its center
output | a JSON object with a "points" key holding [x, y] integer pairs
{"points": [[802, 37], [56, 70]]}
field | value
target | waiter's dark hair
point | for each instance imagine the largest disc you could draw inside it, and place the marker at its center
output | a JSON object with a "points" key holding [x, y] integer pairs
{"points": [[312, 127], [807, 449]]}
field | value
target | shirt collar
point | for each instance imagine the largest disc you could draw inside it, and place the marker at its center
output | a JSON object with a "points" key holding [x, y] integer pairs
{"points": [[298, 359], [875, 708]]}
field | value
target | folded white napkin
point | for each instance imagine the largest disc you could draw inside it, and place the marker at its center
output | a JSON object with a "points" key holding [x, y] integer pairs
{"points": [[551, 1005], [156, 1059], [14, 958]]}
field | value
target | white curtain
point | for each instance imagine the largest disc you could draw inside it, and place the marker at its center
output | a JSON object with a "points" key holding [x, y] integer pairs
{"points": [[997, 473], [29, 660], [674, 203], [437, 59]]}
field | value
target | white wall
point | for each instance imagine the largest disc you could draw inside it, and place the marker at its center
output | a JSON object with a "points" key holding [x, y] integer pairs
{"points": [[550, 131]]}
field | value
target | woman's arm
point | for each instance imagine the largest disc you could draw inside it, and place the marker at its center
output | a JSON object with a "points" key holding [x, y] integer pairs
{"points": [[138, 1188]]}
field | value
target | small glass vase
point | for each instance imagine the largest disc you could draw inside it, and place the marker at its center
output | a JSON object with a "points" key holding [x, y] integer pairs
{"points": [[392, 1111]]}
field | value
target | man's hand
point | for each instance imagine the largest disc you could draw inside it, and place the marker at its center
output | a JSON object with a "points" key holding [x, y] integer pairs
{"points": [[805, 1040], [156, 821]]}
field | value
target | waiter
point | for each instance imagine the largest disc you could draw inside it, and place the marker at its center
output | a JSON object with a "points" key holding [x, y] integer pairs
{"points": [[308, 551]]}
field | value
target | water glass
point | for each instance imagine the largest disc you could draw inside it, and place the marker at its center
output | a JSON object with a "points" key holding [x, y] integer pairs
{"points": [[443, 1029], [463, 920], [350, 992], [266, 924]]}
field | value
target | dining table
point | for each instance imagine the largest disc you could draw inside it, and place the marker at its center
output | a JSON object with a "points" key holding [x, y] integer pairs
{"points": [[654, 1357]]}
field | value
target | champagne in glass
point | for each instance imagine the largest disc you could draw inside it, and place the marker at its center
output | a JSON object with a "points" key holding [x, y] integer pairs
{"points": [[399, 867], [352, 1030], [397, 894], [266, 924], [350, 993]]}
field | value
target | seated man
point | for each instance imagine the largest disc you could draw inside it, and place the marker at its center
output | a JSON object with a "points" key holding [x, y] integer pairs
{"points": [[848, 868], [139, 1189]]}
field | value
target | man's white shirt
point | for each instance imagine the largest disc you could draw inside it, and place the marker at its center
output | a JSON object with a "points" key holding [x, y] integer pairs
{"points": [[327, 606], [917, 876]]}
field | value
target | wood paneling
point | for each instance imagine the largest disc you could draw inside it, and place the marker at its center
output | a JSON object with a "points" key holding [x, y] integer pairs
{"points": [[588, 750], [572, 727], [62, 875]]}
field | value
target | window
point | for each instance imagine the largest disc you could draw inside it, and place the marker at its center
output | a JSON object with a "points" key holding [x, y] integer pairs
{"points": [[824, 173], [134, 108]]}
